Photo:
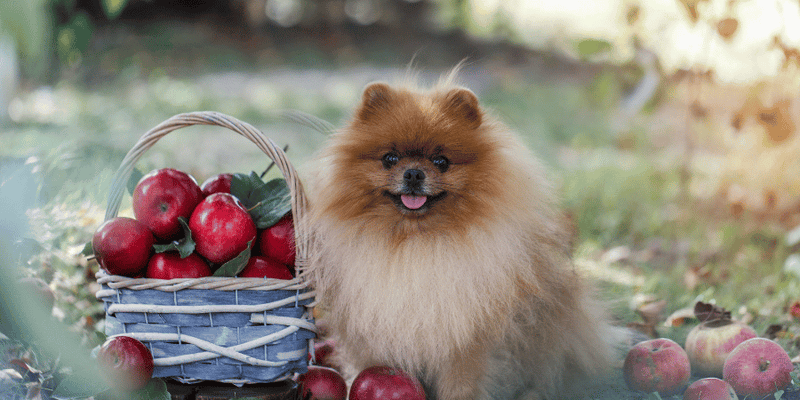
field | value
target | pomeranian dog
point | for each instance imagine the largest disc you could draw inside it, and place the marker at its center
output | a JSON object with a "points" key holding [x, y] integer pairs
{"points": [[439, 249]]}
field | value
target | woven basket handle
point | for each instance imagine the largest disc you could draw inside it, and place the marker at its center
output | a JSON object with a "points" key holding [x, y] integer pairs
{"points": [[299, 204]]}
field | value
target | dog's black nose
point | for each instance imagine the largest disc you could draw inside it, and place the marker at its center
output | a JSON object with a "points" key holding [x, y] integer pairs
{"points": [[413, 177]]}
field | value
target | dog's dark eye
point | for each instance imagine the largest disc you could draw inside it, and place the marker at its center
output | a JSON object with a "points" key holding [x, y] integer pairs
{"points": [[390, 159], [441, 162]]}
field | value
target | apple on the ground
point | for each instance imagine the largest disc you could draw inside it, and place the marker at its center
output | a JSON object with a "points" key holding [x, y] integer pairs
{"points": [[161, 197], [709, 344], [710, 389], [322, 383], [123, 246], [125, 362], [757, 368], [322, 353], [657, 365], [386, 383]]}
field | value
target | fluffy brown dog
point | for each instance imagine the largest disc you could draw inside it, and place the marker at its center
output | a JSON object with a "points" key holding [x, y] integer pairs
{"points": [[439, 250]]}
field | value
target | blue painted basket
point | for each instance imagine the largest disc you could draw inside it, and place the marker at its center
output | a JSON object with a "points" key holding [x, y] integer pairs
{"points": [[233, 330]]}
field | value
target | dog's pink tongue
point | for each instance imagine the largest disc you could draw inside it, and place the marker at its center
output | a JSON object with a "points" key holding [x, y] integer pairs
{"points": [[413, 202]]}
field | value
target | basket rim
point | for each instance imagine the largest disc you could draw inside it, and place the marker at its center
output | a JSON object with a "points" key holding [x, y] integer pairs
{"points": [[222, 283], [265, 144]]}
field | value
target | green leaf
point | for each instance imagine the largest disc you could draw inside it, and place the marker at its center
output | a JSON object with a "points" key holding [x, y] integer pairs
{"points": [[185, 246], [113, 8], [88, 250], [79, 386], [267, 202], [275, 204], [134, 179], [235, 266], [156, 389]]}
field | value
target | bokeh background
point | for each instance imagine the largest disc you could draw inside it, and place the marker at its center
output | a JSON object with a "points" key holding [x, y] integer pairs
{"points": [[668, 126]]}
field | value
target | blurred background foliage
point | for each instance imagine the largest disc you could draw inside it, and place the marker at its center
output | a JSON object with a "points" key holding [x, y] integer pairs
{"points": [[669, 127]]}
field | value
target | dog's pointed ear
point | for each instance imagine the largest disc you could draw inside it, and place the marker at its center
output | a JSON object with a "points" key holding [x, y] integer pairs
{"points": [[463, 104], [376, 97]]}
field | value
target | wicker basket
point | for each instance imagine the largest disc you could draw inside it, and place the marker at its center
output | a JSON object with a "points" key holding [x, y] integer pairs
{"points": [[233, 330]]}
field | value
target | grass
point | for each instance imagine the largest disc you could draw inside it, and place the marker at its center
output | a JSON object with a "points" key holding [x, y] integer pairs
{"points": [[639, 232]]}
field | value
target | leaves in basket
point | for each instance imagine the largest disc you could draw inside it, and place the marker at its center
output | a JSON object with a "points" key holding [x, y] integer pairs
{"points": [[235, 266], [266, 202], [185, 246]]}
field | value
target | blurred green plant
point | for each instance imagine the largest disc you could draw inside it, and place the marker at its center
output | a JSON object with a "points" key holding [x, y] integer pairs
{"points": [[43, 29], [30, 24]]}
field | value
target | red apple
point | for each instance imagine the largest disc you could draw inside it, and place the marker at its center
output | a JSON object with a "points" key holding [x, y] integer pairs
{"points": [[710, 389], [125, 363], [220, 183], [322, 384], [221, 227], [123, 246], [265, 267], [657, 365], [277, 241], [161, 197], [322, 353], [709, 344], [386, 383], [170, 265], [757, 368]]}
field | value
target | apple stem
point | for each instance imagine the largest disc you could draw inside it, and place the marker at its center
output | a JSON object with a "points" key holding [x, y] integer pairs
{"points": [[763, 365], [272, 164], [254, 206], [92, 257]]}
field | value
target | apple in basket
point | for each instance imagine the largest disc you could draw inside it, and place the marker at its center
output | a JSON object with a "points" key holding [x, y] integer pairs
{"points": [[126, 363], [322, 383], [277, 241], [757, 368], [170, 265], [221, 227], [123, 246], [265, 267], [161, 197], [220, 183], [386, 383]]}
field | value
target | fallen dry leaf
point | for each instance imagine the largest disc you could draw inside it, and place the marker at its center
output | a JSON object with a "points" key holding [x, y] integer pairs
{"points": [[680, 317], [710, 312]]}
